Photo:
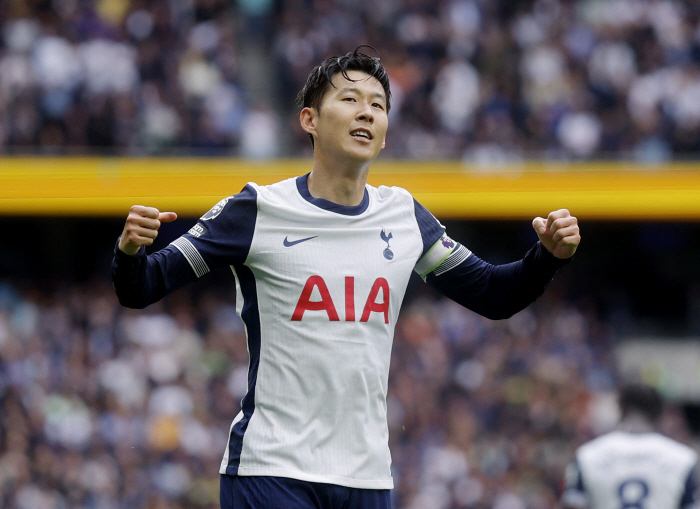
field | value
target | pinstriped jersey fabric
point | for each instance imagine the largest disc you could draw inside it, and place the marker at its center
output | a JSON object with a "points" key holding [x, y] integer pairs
{"points": [[319, 288]]}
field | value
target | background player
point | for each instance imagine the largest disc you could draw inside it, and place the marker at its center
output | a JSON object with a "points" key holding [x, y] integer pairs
{"points": [[633, 466], [322, 262]]}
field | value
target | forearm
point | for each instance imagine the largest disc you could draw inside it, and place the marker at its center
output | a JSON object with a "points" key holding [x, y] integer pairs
{"points": [[498, 291], [141, 280]]}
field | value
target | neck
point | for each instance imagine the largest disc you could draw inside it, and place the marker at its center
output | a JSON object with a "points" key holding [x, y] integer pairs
{"points": [[341, 184], [635, 423]]}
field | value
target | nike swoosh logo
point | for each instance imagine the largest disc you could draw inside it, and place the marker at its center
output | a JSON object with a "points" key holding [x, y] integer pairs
{"points": [[290, 243]]}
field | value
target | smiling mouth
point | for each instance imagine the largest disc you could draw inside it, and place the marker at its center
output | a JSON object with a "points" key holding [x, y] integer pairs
{"points": [[361, 134]]}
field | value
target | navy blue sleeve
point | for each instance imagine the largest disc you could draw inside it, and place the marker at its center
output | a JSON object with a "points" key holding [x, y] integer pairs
{"points": [[221, 237], [430, 228], [690, 494], [140, 280], [573, 490], [498, 291]]}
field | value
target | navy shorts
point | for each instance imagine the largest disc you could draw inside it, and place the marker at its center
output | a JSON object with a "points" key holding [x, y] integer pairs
{"points": [[261, 492]]}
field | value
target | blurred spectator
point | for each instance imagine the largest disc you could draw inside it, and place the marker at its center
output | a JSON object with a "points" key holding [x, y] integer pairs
{"points": [[567, 79], [103, 407]]}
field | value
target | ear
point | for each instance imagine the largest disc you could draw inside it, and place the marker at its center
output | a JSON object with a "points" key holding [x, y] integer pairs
{"points": [[307, 119], [384, 142]]}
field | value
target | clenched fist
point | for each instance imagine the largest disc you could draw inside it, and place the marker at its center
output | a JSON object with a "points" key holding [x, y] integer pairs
{"points": [[559, 233], [141, 227]]}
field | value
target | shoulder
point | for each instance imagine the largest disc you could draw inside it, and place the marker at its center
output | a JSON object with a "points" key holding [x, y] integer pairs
{"points": [[397, 196], [227, 205], [602, 444], [655, 443], [284, 194], [276, 187], [673, 447], [228, 214], [389, 193], [249, 196]]}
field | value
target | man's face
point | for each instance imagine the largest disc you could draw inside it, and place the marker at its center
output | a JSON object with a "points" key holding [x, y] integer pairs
{"points": [[352, 121]]}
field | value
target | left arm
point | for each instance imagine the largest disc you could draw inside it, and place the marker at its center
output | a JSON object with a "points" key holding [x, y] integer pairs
{"points": [[574, 495], [689, 499], [559, 233], [500, 291]]}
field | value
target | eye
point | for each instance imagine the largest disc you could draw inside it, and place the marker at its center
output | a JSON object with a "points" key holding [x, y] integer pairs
{"points": [[349, 99], [378, 105]]}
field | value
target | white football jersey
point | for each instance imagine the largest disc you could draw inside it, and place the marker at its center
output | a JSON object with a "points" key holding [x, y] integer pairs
{"points": [[319, 288], [622, 470]]}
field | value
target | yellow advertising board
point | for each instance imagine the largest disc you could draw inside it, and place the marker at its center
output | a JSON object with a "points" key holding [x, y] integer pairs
{"points": [[104, 186]]}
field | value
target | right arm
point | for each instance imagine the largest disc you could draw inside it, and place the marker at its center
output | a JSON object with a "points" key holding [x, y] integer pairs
{"points": [[689, 499], [573, 491], [138, 279], [221, 237]]}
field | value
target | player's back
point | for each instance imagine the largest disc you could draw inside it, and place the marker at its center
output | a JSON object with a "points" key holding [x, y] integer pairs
{"points": [[635, 470]]}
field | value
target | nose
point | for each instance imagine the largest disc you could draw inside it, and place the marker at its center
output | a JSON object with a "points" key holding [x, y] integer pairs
{"points": [[365, 113]]}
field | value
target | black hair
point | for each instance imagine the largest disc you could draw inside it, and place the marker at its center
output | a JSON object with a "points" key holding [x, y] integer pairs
{"points": [[640, 398], [322, 77]]}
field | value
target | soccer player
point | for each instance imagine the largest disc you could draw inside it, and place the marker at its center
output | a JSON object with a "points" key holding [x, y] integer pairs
{"points": [[321, 263], [633, 467]]}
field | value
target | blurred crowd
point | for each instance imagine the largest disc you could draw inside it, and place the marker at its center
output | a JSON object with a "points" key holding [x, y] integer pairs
{"points": [[486, 81], [102, 407]]}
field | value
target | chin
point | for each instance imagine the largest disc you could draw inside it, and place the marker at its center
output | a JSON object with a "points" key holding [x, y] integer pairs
{"points": [[364, 159], [367, 155]]}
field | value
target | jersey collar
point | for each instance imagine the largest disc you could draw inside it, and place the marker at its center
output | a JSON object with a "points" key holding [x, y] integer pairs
{"points": [[346, 210]]}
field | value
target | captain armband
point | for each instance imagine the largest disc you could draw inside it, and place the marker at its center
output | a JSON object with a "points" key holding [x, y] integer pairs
{"points": [[445, 255]]}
